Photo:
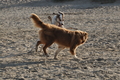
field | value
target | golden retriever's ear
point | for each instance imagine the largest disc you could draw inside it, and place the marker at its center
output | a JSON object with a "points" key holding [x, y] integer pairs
{"points": [[76, 32], [86, 34]]}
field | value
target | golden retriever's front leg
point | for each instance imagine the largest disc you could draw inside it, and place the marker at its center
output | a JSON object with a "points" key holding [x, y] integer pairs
{"points": [[73, 51], [57, 51]]}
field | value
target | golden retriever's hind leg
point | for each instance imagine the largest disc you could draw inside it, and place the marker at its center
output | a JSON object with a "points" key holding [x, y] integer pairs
{"points": [[57, 51], [37, 44]]}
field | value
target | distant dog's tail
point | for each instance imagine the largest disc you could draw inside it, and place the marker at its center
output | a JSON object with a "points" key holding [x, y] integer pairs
{"points": [[37, 21], [50, 18]]}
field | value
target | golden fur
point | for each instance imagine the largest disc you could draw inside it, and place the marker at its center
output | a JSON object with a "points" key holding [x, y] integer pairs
{"points": [[65, 38]]}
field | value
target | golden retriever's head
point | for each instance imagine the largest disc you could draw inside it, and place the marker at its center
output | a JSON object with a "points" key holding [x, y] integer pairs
{"points": [[82, 36]]}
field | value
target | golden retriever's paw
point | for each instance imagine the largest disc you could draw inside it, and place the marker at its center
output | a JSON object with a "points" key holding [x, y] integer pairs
{"points": [[76, 58], [47, 55]]}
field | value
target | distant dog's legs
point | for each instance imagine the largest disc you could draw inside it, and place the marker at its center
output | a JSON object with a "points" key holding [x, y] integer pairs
{"points": [[45, 47], [37, 44], [57, 51]]}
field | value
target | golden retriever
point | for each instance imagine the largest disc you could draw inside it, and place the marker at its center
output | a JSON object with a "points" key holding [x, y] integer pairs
{"points": [[64, 38]]}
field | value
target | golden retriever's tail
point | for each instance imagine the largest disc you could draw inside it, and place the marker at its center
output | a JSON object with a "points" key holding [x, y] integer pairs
{"points": [[37, 21]]}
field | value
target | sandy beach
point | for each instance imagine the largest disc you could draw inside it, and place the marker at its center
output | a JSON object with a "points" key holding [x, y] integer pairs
{"points": [[100, 54]]}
